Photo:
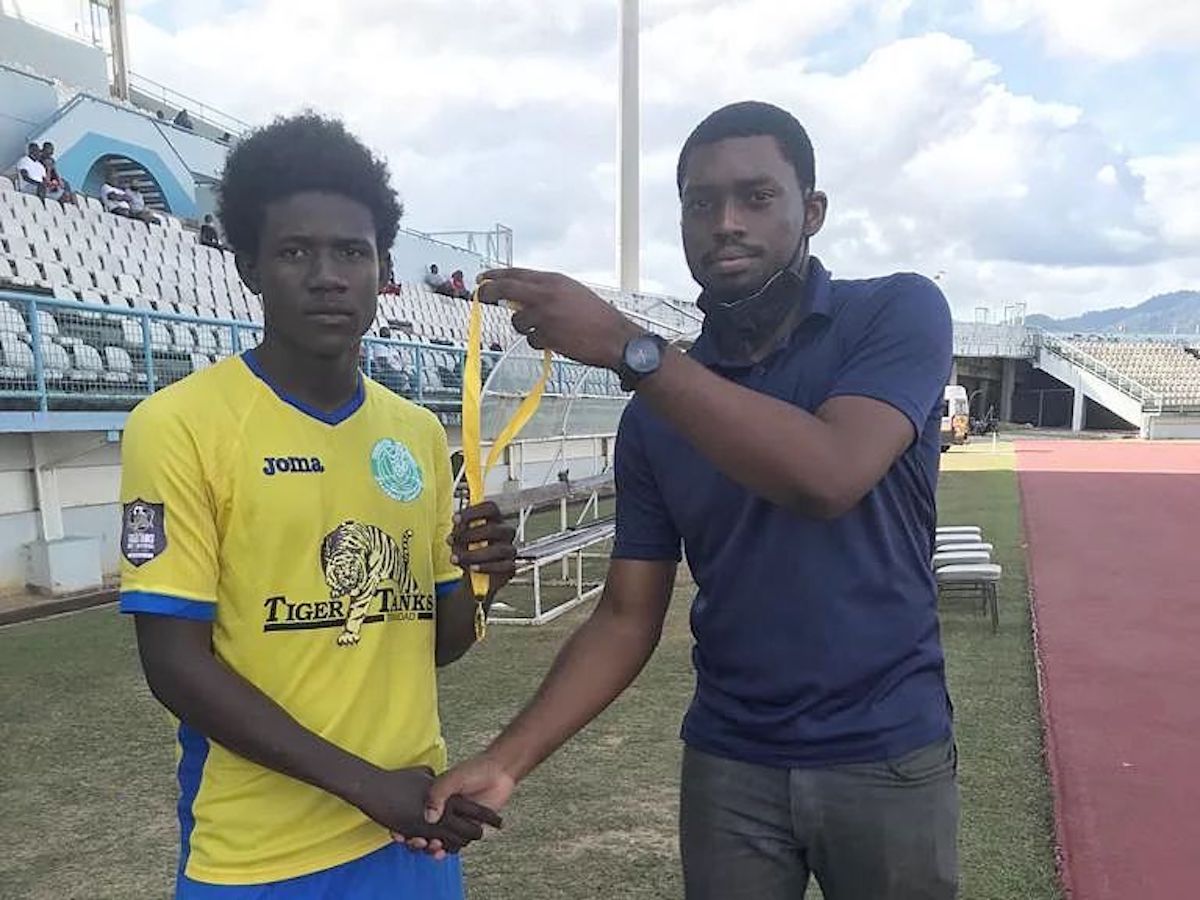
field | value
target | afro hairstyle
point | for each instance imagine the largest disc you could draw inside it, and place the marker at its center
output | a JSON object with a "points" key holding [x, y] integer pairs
{"points": [[293, 155]]}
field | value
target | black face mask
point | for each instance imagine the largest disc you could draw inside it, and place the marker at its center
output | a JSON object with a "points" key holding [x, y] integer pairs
{"points": [[748, 330]]}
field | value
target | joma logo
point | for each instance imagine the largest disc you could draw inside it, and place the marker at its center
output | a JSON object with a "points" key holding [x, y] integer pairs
{"points": [[280, 465]]}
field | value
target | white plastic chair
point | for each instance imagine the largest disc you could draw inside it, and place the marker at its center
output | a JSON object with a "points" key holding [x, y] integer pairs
{"points": [[981, 579]]}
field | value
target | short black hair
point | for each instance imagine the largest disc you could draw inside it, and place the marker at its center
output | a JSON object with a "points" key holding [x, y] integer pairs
{"points": [[751, 118], [307, 152]]}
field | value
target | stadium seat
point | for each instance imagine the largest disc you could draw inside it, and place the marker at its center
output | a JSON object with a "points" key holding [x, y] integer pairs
{"points": [[131, 332], [16, 364], [25, 271], [183, 339], [11, 321], [105, 283], [88, 366], [120, 367], [63, 292], [56, 364], [206, 340], [160, 337]]}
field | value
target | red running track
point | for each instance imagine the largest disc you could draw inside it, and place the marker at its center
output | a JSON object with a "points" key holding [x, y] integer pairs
{"points": [[1113, 529]]}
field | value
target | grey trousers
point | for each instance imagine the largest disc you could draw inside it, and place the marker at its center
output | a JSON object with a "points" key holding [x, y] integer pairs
{"points": [[868, 831]]}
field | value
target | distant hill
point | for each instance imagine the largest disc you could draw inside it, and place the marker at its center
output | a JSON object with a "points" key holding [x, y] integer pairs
{"points": [[1177, 313]]}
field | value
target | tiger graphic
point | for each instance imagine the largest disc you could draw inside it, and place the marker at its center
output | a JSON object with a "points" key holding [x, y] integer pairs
{"points": [[356, 559]]}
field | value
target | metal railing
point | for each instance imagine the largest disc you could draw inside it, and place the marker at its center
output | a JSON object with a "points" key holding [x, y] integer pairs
{"points": [[60, 355], [495, 247], [197, 109], [1152, 401]]}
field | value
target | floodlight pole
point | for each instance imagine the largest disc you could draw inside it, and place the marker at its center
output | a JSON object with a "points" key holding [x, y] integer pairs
{"points": [[629, 148]]}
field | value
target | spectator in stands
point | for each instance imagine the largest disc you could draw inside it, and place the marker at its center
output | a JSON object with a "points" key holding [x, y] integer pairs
{"points": [[57, 187], [390, 286], [208, 233], [495, 347], [137, 204], [387, 366], [113, 196], [458, 286], [286, 453], [434, 279], [793, 452], [31, 174], [183, 120]]}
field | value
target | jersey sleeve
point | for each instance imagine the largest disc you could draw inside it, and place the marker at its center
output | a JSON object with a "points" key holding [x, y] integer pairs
{"points": [[168, 521], [447, 575]]}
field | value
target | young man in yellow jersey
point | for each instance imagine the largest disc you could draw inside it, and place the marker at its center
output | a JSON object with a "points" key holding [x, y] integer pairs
{"points": [[292, 563]]}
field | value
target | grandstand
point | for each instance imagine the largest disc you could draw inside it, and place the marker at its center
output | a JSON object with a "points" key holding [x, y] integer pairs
{"points": [[1168, 370], [102, 310]]}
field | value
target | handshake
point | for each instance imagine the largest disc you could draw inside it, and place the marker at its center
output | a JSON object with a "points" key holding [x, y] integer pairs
{"points": [[438, 815]]}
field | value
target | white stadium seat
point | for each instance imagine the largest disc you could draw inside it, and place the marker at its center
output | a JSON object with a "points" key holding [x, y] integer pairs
{"points": [[16, 359]]}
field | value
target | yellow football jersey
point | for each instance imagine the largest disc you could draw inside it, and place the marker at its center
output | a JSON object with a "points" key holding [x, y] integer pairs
{"points": [[316, 544]]}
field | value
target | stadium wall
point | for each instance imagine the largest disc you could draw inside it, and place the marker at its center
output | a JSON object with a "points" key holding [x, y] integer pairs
{"points": [[86, 468], [89, 129], [87, 475], [28, 101], [74, 62], [413, 252]]}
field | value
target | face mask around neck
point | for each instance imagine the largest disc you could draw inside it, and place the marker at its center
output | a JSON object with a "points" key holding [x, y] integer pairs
{"points": [[747, 330]]}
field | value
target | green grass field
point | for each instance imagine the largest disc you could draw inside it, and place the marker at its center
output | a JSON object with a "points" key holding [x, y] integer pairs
{"points": [[87, 790]]}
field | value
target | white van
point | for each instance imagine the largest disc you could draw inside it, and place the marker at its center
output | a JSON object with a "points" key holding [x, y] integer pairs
{"points": [[956, 416]]}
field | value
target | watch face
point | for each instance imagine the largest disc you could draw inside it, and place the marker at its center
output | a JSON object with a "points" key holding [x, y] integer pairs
{"points": [[642, 355]]}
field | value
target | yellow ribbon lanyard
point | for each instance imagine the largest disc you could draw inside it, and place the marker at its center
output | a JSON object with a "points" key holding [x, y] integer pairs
{"points": [[472, 450]]}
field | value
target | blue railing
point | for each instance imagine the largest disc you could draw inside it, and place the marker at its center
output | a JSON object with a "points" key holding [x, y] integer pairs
{"points": [[133, 352]]}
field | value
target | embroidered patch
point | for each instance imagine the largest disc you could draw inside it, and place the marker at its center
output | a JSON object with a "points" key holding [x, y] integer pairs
{"points": [[143, 531], [396, 471]]}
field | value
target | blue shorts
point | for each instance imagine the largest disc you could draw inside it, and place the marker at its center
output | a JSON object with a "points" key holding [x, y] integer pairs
{"points": [[390, 873]]}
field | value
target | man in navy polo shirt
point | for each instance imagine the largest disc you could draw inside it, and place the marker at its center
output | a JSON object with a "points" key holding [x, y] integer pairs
{"points": [[793, 454]]}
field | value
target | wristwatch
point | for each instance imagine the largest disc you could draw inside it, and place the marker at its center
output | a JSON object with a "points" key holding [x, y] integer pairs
{"points": [[641, 358]]}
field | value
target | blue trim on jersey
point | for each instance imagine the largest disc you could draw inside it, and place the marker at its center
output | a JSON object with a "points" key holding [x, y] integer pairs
{"points": [[335, 417], [442, 588], [194, 747], [390, 873], [167, 605]]}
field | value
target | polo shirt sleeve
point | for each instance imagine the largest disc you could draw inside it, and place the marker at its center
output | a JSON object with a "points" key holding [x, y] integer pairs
{"points": [[644, 528], [169, 560], [904, 349]]}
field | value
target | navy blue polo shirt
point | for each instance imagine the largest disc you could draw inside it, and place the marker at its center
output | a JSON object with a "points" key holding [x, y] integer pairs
{"points": [[816, 642]]}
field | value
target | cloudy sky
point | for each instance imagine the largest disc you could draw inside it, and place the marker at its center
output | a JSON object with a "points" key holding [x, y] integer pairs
{"points": [[1043, 151]]}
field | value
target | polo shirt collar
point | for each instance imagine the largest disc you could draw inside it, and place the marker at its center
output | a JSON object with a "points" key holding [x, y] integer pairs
{"points": [[814, 293]]}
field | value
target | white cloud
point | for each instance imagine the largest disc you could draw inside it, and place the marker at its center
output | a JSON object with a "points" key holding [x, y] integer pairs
{"points": [[1107, 29], [1173, 189], [494, 112]]}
